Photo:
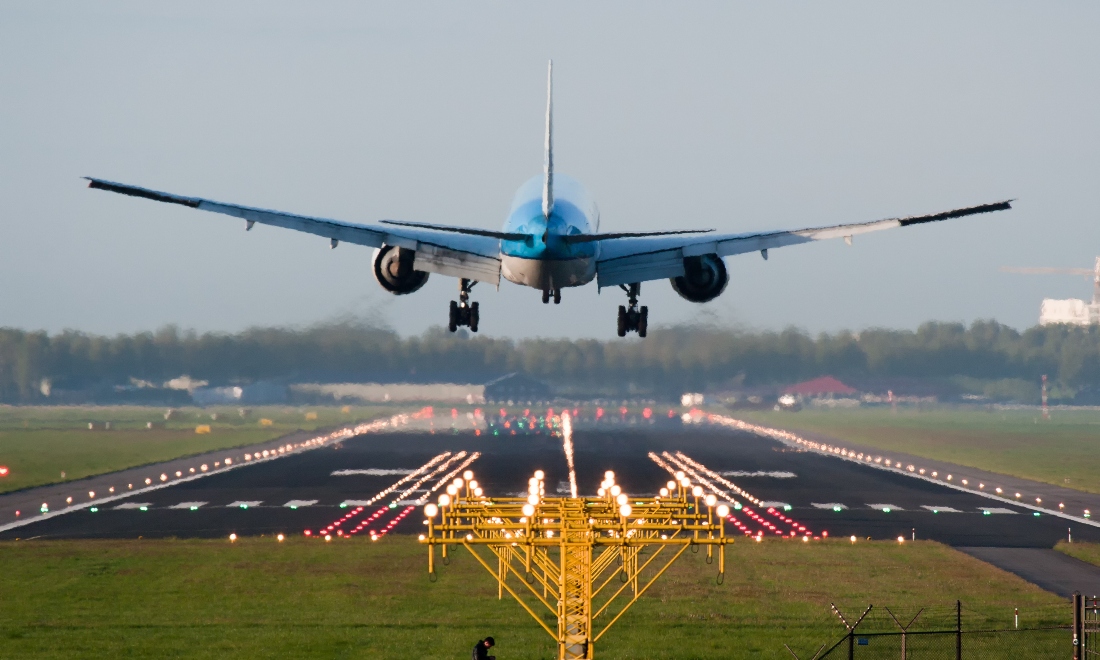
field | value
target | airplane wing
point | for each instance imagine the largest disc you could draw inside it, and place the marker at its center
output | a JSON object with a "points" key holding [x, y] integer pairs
{"points": [[629, 260], [451, 251]]}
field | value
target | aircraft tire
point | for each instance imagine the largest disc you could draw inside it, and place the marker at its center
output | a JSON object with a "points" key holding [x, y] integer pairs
{"points": [[622, 321], [452, 323], [473, 317], [643, 321]]}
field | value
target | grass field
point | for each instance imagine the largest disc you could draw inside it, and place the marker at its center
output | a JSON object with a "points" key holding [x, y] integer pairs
{"points": [[1064, 450], [258, 598], [38, 444], [1089, 552]]}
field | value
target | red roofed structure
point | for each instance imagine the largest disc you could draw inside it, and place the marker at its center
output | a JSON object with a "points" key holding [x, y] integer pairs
{"points": [[824, 386]]}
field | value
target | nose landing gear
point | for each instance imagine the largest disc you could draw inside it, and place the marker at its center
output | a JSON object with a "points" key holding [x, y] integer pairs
{"points": [[633, 318], [463, 312]]}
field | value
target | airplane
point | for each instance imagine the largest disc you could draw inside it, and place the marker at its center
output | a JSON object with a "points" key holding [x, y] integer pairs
{"points": [[550, 241]]}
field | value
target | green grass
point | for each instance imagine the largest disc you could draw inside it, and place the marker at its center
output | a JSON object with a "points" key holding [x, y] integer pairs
{"points": [[37, 444], [1089, 552], [307, 599], [1060, 451]]}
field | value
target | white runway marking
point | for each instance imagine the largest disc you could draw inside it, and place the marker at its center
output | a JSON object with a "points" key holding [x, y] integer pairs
{"points": [[371, 472], [774, 505], [135, 505], [244, 505], [940, 509], [294, 504], [355, 503], [188, 505], [991, 510], [886, 508], [759, 473], [833, 506]]}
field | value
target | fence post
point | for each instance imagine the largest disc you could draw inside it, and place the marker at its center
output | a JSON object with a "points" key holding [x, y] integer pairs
{"points": [[958, 630], [852, 644], [1078, 624]]}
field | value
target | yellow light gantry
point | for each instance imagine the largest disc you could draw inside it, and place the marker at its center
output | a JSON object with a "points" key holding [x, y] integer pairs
{"points": [[564, 553]]}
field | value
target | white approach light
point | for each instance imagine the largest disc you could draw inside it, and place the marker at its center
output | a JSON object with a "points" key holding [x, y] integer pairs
{"points": [[609, 475], [473, 485], [615, 490], [478, 491], [664, 492], [280, 537], [451, 490], [540, 475], [444, 499], [622, 498], [532, 499], [468, 475], [458, 482], [679, 474], [697, 491], [722, 510], [601, 492], [711, 500], [430, 510], [671, 486], [624, 510], [528, 510]]}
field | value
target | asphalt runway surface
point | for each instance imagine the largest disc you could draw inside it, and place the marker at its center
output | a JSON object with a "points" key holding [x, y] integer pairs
{"points": [[306, 491]]}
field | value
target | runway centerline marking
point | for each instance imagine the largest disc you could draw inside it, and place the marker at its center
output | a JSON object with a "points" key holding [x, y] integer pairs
{"points": [[775, 474]]}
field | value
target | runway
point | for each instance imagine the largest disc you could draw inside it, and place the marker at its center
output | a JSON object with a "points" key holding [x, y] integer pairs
{"points": [[356, 482]]}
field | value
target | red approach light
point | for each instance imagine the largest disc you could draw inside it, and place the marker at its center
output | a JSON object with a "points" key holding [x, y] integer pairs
{"points": [[3, 471], [647, 413], [454, 413], [623, 411], [599, 413], [671, 414], [503, 412], [308, 533]]}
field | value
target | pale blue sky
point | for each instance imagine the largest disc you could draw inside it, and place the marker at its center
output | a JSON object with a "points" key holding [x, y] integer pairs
{"points": [[732, 116]]}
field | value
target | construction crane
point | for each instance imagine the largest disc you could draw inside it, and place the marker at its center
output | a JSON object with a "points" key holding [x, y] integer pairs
{"points": [[1070, 311]]}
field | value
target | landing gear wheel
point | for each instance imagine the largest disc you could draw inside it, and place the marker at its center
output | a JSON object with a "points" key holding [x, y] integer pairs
{"points": [[545, 296], [557, 296], [631, 317], [463, 312]]}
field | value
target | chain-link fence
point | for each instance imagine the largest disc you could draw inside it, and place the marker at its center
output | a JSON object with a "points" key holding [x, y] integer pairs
{"points": [[957, 633]]}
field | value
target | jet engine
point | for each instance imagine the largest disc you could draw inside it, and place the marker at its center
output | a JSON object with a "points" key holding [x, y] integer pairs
{"points": [[393, 268], [704, 278]]}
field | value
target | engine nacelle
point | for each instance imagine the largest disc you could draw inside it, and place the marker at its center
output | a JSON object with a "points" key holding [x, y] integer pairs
{"points": [[393, 268], [704, 278]]}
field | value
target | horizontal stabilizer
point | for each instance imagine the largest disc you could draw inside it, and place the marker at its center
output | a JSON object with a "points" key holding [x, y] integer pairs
{"points": [[588, 238], [502, 235]]}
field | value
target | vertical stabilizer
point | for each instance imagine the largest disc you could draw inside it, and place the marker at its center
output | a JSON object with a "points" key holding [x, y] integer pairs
{"points": [[548, 157]]}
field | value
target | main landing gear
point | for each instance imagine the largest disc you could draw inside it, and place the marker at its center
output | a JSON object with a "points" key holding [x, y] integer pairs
{"points": [[463, 312], [546, 296], [631, 317]]}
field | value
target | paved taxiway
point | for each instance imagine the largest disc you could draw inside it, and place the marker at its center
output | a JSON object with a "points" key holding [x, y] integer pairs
{"points": [[305, 491]]}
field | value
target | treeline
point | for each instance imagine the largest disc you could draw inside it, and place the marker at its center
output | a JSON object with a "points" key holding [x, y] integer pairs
{"points": [[671, 359]]}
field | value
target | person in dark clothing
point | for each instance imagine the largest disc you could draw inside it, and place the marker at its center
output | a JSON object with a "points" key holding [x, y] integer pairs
{"points": [[481, 649]]}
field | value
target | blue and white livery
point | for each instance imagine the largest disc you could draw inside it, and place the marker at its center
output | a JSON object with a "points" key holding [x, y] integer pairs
{"points": [[550, 241]]}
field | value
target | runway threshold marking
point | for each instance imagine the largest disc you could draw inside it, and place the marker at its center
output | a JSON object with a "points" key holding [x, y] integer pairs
{"points": [[135, 505], [190, 506], [895, 467], [886, 508], [230, 463], [996, 510], [940, 509], [244, 504], [294, 504], [832, 506], [371, 472]]}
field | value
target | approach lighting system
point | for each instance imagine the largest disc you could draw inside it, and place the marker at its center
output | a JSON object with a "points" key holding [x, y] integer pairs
{"points": [[3, 470], [561, 555]]}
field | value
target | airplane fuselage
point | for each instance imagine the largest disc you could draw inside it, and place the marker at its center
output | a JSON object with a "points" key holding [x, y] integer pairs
{"points": [[546, 261]]}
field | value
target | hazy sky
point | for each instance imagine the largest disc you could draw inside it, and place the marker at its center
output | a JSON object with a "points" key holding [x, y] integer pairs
{"points": [[731, 116]]}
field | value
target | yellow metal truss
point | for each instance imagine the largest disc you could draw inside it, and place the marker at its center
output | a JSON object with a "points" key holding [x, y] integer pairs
{"points": [[583, 560]]}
